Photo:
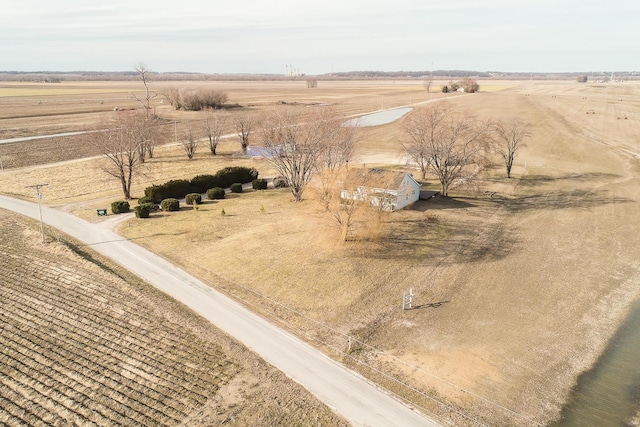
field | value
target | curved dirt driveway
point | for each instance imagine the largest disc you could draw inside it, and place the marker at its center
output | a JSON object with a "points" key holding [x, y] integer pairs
{"points": [[341, 389]]}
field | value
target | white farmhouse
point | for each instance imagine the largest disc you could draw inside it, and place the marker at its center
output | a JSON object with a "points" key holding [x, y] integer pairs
{"points": [[387, 190]]}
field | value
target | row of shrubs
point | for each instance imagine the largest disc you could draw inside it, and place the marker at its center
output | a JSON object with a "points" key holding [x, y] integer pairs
{"points": [[179, 188], [146, 205]]}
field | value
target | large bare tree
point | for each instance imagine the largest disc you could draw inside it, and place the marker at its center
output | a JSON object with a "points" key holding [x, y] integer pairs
{"points": [[451, 144], [301, 144], [340, 140], [214, 124], [120, 144], [419, 132], [511, 138]]}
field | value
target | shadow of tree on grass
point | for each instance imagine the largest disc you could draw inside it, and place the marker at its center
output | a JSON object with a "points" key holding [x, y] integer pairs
{"points": [[561, 199], [533, 180]]}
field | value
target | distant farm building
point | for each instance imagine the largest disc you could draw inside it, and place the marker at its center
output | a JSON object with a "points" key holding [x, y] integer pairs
{"points": [[386, 190]]}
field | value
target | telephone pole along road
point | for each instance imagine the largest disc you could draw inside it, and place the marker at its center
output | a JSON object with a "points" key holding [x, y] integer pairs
{"points": [[343, 390]]}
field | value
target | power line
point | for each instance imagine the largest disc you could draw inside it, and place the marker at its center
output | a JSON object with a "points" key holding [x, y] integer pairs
{"points": [[39, 196]]}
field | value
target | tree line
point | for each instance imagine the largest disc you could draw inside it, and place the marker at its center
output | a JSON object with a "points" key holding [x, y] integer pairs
{"points": [[452, 145], [455, 145]]}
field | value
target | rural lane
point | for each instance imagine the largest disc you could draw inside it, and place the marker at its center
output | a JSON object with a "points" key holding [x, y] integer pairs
{"points": [[345, 391]]}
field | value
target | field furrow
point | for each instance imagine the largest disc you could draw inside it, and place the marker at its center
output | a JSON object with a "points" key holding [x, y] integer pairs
{"points": [[91, 365], [111, 381], [146, 373], [76, 394], [112, 324], [105, 336], [11, 413]]}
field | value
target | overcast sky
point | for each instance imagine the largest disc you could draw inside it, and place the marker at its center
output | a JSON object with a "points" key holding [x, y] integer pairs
{"points": [[260, 36]]}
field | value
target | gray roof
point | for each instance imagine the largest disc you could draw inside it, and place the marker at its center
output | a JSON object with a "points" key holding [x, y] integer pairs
{"points": [[376, 178]]}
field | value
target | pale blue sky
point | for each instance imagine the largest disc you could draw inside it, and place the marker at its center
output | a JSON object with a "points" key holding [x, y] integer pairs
{"points": [[253, 36]]}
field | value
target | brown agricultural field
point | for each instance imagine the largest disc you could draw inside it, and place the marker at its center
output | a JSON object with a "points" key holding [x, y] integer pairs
{"points": [[84, 343], [519, 282], [33, 109]]}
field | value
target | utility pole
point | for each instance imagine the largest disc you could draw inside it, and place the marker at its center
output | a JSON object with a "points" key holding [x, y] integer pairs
{"points": [[39, 196]]}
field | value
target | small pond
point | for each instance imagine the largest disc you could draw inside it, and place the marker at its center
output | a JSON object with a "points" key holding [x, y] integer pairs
{"points": [[379, 118]]}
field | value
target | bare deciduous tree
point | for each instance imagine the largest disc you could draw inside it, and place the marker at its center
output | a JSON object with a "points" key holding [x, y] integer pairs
{"points": [[120, 145], [427, 84], [297, 144], [419, 130], [214, 124], [343, 214], [337, 153], [244, 126], [360, 203], [153, 135], [149, 134], [469, 85], [511, 138], [451, 144], [144, 74], [340, 142], [196, 99], [190, 141]]}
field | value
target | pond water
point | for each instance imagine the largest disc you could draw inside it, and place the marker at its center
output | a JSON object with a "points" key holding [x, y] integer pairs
{"points": [[609, 394], [379, 118]]}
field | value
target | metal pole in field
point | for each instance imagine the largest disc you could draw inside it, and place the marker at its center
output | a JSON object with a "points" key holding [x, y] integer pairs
{"points": [[39, 196]]}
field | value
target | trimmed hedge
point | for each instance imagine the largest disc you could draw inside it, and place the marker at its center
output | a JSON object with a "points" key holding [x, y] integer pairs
{"points": [[280, 182], [215, 193], [174, 189], [201, 183], [236, 187], [192, 198], [233, 174], [170, 204], [121, 206], [143, 210], [144, 199], [259, 184], [178, 189]]}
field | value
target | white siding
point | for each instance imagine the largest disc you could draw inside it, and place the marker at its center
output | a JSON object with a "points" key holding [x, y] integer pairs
{"points": [[408, 193], [392, 199]]}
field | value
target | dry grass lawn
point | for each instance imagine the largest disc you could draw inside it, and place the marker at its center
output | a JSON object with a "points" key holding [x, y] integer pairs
{"points": [[517, 293]]}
